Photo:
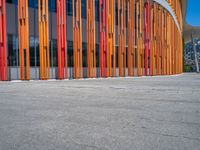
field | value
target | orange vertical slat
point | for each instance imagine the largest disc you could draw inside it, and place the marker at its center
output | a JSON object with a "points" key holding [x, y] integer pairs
{"points": [[122, 37], [91, 47], [131, 37], [139, 34], [110, 25], [44, 39], [23, 28], [77, 39]]}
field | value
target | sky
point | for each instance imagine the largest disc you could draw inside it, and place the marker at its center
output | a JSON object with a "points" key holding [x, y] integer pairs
{"points": [[193, 12]]}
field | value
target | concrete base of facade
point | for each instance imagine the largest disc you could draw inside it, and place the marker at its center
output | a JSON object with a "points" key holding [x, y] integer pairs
{"points": [[14, 73]]}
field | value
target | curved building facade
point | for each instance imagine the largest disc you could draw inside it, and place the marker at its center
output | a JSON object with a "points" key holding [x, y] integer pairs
{"points": [[60, 39]]}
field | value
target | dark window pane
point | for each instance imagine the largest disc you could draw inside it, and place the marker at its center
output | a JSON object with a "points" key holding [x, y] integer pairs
{"points": [[36, 3], [97, 55], [31, 3], [36, 52], [69, 7], [97, 10], [83, 5], [53, 53], [49, 4], [32, 51], [116, 56], [12, 50], [11, 1], [52, 5], [84, 48], [116, 14], [70, 53]]}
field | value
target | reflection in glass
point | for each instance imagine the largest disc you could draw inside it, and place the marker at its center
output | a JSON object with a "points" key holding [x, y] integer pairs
{"points": [[12, 50]]}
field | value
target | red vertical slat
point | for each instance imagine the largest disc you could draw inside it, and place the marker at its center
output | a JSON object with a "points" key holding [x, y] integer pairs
{"points": [[3, 55], [61, 35], [103, 39], [147, 39]]}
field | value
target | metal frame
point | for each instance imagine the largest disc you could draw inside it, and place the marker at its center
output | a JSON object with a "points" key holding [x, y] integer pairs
{"points": [[62, 39]]}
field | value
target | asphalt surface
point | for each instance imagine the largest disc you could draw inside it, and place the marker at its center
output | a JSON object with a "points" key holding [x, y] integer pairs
{"points": [[147, 113]]}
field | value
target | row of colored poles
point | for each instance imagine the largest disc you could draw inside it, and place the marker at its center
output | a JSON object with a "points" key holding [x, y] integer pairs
{"points": [[148, 40]]}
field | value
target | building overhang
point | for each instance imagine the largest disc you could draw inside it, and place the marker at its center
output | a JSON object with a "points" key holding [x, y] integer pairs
{"points": [[187, 28], [184, 9]]}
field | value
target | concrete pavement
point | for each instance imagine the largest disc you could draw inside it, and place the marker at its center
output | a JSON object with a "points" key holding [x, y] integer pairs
{"points": [[147, 113]]}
